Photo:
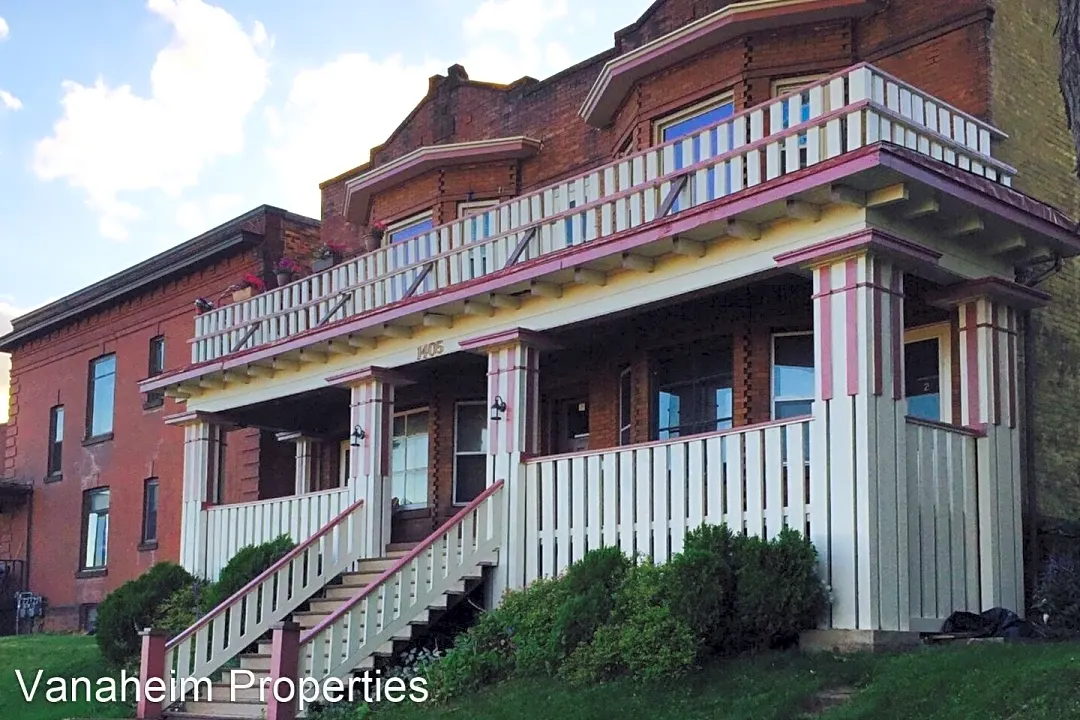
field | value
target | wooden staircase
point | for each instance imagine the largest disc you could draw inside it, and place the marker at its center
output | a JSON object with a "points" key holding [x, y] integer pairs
{"points": [[250, 704]]}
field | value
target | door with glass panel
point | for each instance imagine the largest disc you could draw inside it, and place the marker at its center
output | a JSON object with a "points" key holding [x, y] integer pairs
{"points": [[409, 463], [470, 450]]}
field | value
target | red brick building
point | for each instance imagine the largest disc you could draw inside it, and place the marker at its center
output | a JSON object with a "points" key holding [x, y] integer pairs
{"points": [[94, 449]]}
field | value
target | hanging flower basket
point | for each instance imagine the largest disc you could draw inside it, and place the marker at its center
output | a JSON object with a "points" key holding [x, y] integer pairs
{"points": [[285, 269], [327, 256], [249, 285]]}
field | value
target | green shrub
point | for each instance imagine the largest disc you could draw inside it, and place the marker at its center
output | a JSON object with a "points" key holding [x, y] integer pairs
{"points": [[134, 606], [181, 609], [244, 567], [1057, 594], [529, 616], [778, 592], [468, 666], [591, 585], [700, 589]]}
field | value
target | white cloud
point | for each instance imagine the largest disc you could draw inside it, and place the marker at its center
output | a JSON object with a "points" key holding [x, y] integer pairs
{"points": [[112, 142], [198, 216], [9, 101], [504, 39], [4, 29], [322, 130]]}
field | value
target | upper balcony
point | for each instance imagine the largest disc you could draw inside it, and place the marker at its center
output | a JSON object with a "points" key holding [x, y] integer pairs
{"points": [[742, 156]]}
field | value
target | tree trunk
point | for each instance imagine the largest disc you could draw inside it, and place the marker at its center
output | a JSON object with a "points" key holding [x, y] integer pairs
{"points": [[1068, 31]]}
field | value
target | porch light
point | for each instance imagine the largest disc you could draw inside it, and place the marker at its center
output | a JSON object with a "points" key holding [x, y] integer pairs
{"points": [[358, 436], [498, 408]]}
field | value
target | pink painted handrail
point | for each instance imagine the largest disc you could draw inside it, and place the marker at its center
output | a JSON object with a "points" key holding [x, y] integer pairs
{"points": [[671, 441], [265, 575], [401, 563], [973, 431]]}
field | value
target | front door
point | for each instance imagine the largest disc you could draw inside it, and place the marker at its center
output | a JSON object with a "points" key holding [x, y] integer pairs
{"points": [[409, 460], [571, 425]]}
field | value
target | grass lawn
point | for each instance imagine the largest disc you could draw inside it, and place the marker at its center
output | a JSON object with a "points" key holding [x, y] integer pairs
{"points": [[59, 656], [1019, 682]]}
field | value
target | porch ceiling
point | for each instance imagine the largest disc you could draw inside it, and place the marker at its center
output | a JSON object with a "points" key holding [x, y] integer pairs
{"points": [[913, 197], [318, 413]]}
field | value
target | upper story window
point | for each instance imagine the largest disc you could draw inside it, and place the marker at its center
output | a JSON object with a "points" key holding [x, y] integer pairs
{"points": [[409, 227], [790, 85], [101, 397], [474, 207], [694, 118], [156, 366], [693, 389], [56, 441], [150, 512], [95, 553]]}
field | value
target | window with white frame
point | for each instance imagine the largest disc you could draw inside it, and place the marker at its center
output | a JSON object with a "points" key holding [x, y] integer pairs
{"points": [[409, 458], [693, 389], [474, 207], [470, 450], [95, 530], [785, 87], [792, 375], [410, 227], [690, 120]]}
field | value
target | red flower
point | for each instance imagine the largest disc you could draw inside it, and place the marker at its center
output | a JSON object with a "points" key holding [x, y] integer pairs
{"points": [[252, 281]]}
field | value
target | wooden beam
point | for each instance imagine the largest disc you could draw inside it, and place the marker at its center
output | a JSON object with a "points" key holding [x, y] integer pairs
{"points": [[632, 261], [437, 320], [190, 389], [845, 195], [337, 347], [677, 186], [176, 393], [286, 364], [743, 229], [309, 355], [362, 342], [510, 302], [887, 195], [260, 371], [923, 208], [538, 288], [242, 340], [1005, 245], [519, 249], [478, 308], [418, 280], [342, 298], [966, 226], [396, 331], [689, 248], [801, 210], [241, 378], [211, 383], [588, 276]]}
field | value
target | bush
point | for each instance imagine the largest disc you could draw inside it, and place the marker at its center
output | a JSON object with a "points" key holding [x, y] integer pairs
{"points": [[701, 591], [244, 567], [591, 586], [778, 592], [134, 606], [1057, 594], [181, 609]]}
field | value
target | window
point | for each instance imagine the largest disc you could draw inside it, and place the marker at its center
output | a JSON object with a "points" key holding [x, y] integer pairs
{"points": [[928, 372], [150, 511], [474, 207], [470, 451], [625, 409], [409, 227], [694, 118], [693, 389], [409, 459], [56, 441], [102, 396], [156, 366], [790, 85], [95, 529], [792, 375]]}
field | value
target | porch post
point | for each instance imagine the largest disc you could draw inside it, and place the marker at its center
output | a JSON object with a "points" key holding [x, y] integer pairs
{"points": [[372, 410], [513, 380], [989, 380], [201, 457], [858, 494]]}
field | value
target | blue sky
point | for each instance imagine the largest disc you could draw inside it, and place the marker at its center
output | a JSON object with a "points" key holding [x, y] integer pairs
{"points": [[129, 126]]}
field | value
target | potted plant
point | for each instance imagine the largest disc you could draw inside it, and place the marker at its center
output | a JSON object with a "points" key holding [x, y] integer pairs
{"points": [[327, 256], [248, 286], [285, 269], [376, 231]]}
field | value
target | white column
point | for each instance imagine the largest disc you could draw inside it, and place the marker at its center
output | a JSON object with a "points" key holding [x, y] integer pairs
{"points": [[201, 439], [858, 458], [989, 378], [305, 460], [513, 379], [369, 462]]}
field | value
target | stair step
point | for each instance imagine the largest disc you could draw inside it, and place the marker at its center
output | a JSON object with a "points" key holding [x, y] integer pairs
{"points": [[400, 548], [222, 692], [218, 709]]}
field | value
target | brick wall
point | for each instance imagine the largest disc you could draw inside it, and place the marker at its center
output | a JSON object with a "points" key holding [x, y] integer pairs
{"points": [[52, 368], [1027, 105]]}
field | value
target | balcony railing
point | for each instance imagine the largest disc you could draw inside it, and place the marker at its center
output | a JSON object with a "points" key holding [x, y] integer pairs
{"points": [[840, 114]]}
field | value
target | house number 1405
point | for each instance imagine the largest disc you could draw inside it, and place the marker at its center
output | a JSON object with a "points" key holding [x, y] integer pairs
{"points": [[430, 350]]}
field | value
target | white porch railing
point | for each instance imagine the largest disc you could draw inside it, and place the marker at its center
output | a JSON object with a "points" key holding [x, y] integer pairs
{"points": [[643, 499], [228, 629], [943, 525], [232, 527], [858, 107], [406, 590]]}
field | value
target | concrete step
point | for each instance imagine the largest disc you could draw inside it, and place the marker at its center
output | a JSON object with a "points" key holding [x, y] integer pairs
{"points": [[222, 692], [217, 709], [398, 549]]}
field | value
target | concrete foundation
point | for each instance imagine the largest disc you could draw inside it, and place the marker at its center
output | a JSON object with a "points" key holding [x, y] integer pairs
{"points": [[846, 641]]}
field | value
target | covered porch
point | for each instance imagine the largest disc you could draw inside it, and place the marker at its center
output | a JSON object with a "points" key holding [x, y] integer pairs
{"points": [[849, 394]]}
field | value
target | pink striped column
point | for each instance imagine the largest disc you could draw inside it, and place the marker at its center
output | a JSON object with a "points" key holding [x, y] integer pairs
{"points": [[371, 415], [858, 457], [987, 311], [513, 378], [202, 457]]}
